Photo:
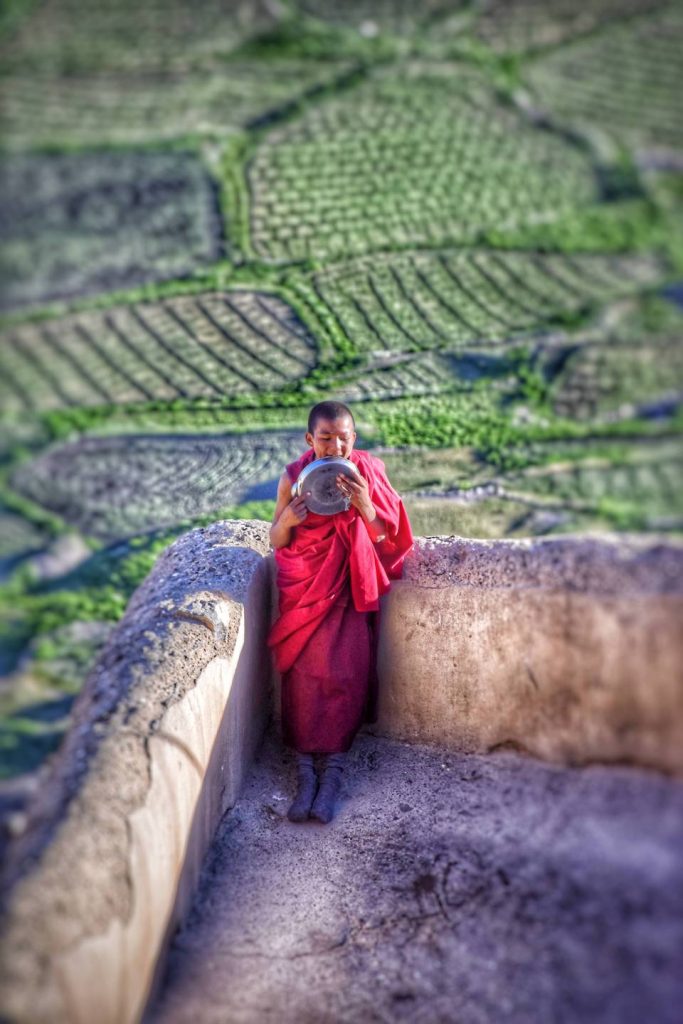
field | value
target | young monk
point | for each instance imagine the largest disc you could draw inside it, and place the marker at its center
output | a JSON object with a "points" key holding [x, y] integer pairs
{"points": [[331, 572]]}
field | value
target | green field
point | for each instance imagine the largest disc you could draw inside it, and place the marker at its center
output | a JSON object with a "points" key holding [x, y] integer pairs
{"points": [[464, 217]]}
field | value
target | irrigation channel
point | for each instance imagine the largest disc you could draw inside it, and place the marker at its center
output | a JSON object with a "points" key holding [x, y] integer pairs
{"points": [[449, 888]]}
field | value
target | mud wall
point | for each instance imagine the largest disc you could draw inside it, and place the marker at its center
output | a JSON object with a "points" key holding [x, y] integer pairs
{"points": [[568, 648], [163, 732]]}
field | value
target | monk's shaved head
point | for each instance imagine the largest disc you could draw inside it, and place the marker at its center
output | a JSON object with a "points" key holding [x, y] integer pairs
{"points": [[328, 411]]}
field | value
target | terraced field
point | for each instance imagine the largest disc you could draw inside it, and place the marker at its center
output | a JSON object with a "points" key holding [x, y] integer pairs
{"points": [[559, 486], [73, 225], [623, 82], [208, 345], [17, 536], [396, 16], [69, 38], [643, 486], [590, 481], [520, 26], [598, 381], [117, 487], [452, 299], [425, 158], [462, 217], [118, 107]]}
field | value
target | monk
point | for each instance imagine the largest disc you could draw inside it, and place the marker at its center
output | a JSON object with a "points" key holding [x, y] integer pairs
{"points": [[331, 572]]}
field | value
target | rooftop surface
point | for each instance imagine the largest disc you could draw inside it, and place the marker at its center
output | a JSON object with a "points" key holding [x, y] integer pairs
{"points": [[448, 888]]}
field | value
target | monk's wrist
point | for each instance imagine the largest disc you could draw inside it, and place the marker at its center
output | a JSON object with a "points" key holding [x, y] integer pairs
{"points": [[368, 512]]}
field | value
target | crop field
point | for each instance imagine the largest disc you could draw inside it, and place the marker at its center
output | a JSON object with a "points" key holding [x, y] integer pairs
{"points": [[641, 487], [423, 158], [118, 107], [607, 380], [623, 83], [464, 217], [395, 16], [117, 487], [73, 225], [211, 345], [455, 299], [70, 38], [522, 26]]}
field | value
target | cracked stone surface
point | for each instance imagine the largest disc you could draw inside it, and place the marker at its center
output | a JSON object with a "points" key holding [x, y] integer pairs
{"points": [[605, 564], [451, 888]]}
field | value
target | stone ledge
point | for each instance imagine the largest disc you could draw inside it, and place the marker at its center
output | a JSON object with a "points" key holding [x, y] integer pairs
{"points": [[163, 731], [600, 564], [568, 648]]}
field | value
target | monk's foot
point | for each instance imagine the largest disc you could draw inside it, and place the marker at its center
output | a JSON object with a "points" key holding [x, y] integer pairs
{"points": [[330, 784], [306, 787]]}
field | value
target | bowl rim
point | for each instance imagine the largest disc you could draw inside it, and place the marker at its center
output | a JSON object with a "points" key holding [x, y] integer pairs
{"points": [[345, 465]]}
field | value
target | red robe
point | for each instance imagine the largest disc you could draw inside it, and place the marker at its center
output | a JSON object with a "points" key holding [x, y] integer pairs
{"points": [[330, 578]]}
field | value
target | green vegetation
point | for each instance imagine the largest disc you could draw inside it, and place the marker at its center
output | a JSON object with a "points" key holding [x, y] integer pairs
{"points": [[107, 212], [100, 589], [357, 173], [451, 300], [521, 26], [626, 226], [185, 106], [624, 82], [598, 379], [464, 218], [210, 345], [115, 487], [67, 38]]}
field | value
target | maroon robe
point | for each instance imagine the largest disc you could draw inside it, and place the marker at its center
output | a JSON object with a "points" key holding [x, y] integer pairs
{"points": [[330, 578]]}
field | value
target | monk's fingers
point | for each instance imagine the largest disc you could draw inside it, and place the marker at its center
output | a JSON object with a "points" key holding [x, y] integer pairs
{"points": [[356, 489], [350, 486], [298, 509]]}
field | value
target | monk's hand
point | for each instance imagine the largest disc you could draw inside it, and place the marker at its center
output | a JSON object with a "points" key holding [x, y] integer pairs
{"points": [[295, 512], [356, 490]]}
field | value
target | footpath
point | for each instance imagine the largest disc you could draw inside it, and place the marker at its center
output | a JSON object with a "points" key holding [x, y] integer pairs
{"points": [[449, 889]]}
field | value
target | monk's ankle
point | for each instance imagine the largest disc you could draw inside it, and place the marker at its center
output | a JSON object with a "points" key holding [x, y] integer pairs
{"points": [[306, 787], [328, 791]]}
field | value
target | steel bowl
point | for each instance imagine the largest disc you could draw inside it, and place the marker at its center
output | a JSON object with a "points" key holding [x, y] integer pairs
{"points": [[320, 478]]}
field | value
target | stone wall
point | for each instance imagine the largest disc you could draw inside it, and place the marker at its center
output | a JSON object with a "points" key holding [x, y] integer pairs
{"points": [[163, 732], [568, 648]]}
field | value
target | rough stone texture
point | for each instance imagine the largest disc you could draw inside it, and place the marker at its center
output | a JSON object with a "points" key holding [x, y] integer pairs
{"points": [[449, 888], [566, 647], [162, 732], [569, 648], [600, 564]]}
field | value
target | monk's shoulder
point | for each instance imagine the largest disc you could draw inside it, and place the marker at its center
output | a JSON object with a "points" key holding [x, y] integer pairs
{"points": [[293, 469], [372, 462]]}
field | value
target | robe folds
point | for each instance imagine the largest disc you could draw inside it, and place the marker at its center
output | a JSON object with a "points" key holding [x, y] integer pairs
{"points": [[330, 578]]}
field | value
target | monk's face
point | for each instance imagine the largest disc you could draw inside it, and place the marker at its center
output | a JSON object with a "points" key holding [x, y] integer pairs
{"points": [[332, 437]]}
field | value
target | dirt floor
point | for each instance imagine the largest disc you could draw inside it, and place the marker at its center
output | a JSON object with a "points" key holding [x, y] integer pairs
{"points": [[449, 888]]}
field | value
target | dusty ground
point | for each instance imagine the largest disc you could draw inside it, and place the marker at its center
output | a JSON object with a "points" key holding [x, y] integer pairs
{"points": [[460, 889]]}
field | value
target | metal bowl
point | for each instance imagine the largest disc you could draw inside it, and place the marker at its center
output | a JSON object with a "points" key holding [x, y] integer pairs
{"points": [[320, 478]]}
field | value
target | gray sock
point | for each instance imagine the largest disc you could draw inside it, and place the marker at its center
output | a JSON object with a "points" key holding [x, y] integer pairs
{"points": [[306, 787], [328, 791]]}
